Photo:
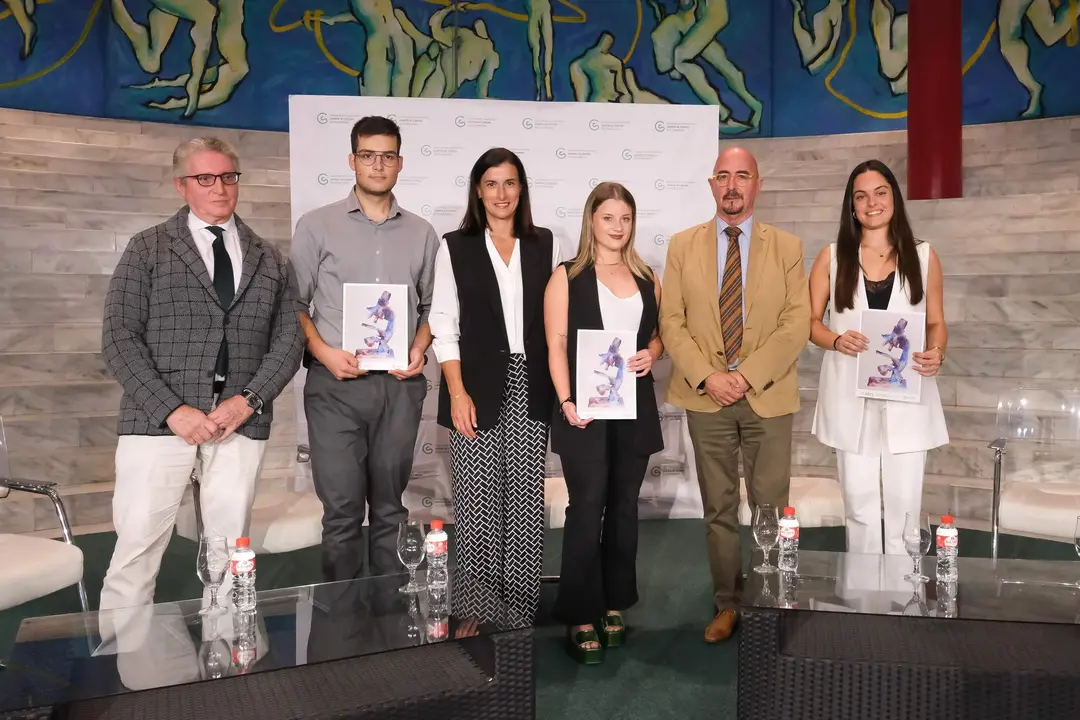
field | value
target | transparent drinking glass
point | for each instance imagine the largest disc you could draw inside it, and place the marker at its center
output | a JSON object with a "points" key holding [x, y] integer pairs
{"points": [[411, 552], [917, 539], [766, 533], [211, 566]]}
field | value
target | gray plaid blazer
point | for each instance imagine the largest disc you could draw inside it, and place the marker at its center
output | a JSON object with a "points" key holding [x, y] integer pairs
{"points": [[164, 324]]}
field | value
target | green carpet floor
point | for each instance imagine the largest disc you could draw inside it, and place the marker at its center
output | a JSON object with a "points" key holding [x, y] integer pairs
{"points": [[666, 671]]}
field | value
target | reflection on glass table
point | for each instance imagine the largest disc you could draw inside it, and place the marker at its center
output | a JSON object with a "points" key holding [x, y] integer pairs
{"points": [[1037, 591], [172, 644]]}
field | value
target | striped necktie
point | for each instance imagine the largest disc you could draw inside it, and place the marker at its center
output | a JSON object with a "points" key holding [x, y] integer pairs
{"points": [[731, 321]]}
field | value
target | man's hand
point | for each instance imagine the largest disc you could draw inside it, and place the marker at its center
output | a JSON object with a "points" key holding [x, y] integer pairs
{"points": [[192, 425], [230, 415], [724, 388], [341, 364], [416, 365]]}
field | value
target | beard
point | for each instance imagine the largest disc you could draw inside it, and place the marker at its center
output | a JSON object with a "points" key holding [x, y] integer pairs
{"points": [[732, 203]]}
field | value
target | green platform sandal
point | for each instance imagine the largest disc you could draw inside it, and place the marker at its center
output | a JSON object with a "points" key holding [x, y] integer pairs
{"points": [[614, 629], [575, 643]]}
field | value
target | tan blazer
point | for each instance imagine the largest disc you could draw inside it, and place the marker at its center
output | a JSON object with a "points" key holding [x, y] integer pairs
{"points": [[777, 325]]}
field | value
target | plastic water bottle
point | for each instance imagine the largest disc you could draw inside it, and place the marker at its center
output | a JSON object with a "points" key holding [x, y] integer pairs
{"points": [[788, 559], [436, 551], [242, 564], [245, 640], [947, 542]]}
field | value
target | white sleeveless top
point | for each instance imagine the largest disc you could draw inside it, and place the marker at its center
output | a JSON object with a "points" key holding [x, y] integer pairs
{"points": [[911, 427], [620, 313]]}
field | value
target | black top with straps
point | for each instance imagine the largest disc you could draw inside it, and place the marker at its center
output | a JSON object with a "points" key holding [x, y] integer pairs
{"points": [[583, 313], [484, 347], [879, 292]]}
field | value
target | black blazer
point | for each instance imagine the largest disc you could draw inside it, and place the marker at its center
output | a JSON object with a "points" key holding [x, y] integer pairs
{"points": [[484, 347], [583, 313]]}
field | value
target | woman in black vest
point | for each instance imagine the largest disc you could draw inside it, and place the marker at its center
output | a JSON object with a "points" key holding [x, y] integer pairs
{"points": [[487, 319], [606, 287]]}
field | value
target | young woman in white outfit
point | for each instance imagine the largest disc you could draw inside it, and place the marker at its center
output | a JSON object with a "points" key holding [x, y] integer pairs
{"points": [[876, 263]]}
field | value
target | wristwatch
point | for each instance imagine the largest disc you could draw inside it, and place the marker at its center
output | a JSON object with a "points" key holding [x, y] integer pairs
{"points": [[254, 401]]}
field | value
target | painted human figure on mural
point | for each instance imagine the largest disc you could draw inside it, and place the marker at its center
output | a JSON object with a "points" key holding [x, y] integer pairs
{"points": [[540, 36], [1051, 20], [388, 51], [203, 87], [890, 31], [23, 12], [682, 37], [819, 36], [599, 76], [452, 56]]}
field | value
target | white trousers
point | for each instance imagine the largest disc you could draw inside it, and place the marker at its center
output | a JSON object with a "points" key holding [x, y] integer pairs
{"points": [[152, 474], [875, 474]]}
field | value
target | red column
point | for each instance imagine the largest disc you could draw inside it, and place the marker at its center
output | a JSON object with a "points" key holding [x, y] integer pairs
{"points": [[935, 100]]}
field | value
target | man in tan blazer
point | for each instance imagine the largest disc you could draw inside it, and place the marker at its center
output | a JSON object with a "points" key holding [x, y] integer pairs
{"points": [[734, 316]]}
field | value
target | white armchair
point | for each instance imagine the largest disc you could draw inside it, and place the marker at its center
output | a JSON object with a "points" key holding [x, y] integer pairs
{"points": [[33, 566]]}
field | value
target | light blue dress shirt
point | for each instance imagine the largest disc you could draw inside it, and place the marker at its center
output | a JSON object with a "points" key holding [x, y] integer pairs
{"points": [[747, 227]]}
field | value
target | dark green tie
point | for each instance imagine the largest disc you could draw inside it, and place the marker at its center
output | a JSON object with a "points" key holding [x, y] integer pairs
{"points": [[223, 284]]}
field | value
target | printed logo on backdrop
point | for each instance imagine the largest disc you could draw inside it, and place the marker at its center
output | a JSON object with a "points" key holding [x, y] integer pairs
{"points": [[573, 154], [335, 179], [595, 124], [439, 503], [544, 183], [666, 126], [407, 120], [440, 210], [412, 180], [648, 214], [473, 121], [678, 185], [440, 150], [332, 119], [460, 181], [661, 239], [640, 154], [434, 449], [565, 212], [532, 124], [668, 468]]}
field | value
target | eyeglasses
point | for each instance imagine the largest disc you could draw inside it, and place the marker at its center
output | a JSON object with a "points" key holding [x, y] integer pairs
{"points": [[367, 157], [741, 179], [208, 180]]}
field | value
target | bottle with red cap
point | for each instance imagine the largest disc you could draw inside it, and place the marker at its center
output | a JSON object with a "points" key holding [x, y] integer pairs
{"points": [[947, 550], [788, 560], [435, 548], [242, 564]]}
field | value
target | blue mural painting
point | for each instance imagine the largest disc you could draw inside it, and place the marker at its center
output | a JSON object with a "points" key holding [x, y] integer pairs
{"points": [[774, 67]]}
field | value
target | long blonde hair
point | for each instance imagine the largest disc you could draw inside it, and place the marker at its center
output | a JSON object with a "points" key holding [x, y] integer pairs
{"points": [[586, 254]]}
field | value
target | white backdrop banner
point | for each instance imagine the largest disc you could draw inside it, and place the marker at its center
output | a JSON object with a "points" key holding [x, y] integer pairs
{"points": [[662, 153]]}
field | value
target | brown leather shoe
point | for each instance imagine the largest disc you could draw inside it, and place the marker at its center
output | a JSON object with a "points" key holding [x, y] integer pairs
{"points": [[721, 627]]}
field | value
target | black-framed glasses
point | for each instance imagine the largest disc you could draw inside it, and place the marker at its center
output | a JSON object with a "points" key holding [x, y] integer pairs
{"points": [[208, 179], [368, 157], [741, 179]]}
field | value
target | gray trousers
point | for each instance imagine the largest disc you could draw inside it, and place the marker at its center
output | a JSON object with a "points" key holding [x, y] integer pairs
{"points": [[362, 434]]}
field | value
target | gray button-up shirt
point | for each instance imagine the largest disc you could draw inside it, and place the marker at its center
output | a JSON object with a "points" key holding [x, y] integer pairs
{"points": [[338, 244]]}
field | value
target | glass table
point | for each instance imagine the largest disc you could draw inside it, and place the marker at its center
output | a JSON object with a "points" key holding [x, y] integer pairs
{"points": [[847, 636], [351, 649]]}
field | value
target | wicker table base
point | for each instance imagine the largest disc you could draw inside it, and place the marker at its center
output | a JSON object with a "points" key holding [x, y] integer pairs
{"points": [[482, 678], [797, 665]]}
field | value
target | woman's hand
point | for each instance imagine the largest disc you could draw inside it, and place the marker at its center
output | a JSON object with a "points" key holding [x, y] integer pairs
{"points": [[463, 414], [569, 411], [928, 363], [851, 343], [640, 363]]}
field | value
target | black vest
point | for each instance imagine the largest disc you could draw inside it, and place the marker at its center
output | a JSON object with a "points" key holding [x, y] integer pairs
{"points": [[484, 347], [583, 313]]}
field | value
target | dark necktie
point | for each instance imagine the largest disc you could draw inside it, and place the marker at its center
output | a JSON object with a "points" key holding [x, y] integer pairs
{"points": [[731, 322], [223, 284]]}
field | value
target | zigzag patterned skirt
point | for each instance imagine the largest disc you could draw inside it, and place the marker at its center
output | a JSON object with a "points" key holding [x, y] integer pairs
{"points": [[498, 485]]}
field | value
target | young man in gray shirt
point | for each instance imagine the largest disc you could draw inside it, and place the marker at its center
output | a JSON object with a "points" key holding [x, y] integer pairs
{"points": [[362, 426]]}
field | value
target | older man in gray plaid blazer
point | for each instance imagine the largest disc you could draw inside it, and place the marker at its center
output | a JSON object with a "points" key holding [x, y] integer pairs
{"points": [[202, 330]]}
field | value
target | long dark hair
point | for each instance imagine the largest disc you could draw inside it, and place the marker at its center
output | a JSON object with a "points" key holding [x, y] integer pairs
{"points": [[901, 238], [475, 220]]}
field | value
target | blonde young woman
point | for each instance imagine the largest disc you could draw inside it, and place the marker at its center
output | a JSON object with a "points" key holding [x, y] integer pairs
{"points": [[606, 286]]}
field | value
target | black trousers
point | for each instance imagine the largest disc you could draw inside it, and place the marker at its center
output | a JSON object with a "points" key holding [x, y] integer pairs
{"points": [[362, 434], [600, 537]]}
